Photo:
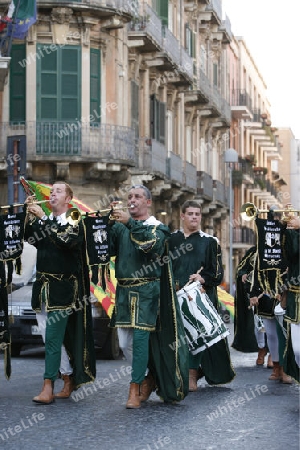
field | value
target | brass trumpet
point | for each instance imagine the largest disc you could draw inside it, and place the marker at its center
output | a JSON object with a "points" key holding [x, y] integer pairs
{"points": [[15, 205], [249, 212], [74, 215]]}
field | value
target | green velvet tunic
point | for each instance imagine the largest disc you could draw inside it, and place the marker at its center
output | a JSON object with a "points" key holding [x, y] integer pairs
{"points": [[138, 247], [147, 300], [188, 255], [62, 282], [191, 253]]}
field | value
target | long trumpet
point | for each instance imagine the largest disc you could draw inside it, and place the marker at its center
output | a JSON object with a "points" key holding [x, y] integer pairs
{"points": [[15, 205], [249, 211], [73, 215]]}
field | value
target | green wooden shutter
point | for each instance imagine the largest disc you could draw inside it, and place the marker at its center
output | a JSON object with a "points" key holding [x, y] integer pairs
{"points": [[70, 83], [17, 101], [58, 128], [162, 9], [47, 83], [152, 118], [215, 74], [58, 83], [135, 107], [95, 85], [162, 122]]}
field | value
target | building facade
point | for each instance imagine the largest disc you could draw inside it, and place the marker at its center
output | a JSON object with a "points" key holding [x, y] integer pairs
{"points": [[106, 94]]}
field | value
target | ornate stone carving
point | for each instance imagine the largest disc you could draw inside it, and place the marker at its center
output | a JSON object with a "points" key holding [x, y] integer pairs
{"points": [[61, 15]]}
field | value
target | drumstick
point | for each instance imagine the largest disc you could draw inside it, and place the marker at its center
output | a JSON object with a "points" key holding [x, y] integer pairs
{"points": [[260, 296], [189, 282]]}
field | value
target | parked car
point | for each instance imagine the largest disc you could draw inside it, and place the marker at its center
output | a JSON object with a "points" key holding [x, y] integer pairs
{"points": [[25, 332]]}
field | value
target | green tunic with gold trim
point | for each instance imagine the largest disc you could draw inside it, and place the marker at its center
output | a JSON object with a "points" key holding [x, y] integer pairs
{"points": [[62, 282], [146, 299], [188, 255]]}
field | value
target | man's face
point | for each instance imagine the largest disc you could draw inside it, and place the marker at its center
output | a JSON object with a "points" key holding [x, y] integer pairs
{"points": [[138, 203], [191, 219], [59, 200]]}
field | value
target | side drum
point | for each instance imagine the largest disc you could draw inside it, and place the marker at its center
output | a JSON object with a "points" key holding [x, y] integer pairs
{"points": [[202, 323]]}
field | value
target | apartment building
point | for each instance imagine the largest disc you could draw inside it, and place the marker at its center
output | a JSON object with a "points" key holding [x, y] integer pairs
{"points": [[108, 93]]}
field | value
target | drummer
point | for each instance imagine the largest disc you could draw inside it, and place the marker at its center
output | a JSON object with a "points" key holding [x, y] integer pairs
{"points": [[199, 260]]}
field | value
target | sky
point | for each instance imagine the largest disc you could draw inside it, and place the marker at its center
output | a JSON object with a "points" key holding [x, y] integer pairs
{"points": [[271, 32]]}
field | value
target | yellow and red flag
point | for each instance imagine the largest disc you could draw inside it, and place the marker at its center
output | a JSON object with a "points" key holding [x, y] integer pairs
{"points": [[226, 300]]}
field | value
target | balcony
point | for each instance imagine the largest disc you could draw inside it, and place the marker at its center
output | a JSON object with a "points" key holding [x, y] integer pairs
{"points": [[52, 141], [219, 192], [200, 93], [190, 176], [152, 157], [174, 169], [148, 34], [205, 185], [225, 27], [145, 31], [215, 6], [241, 104]]}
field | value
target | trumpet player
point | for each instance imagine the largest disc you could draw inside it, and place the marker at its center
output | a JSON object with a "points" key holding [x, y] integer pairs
{"points": [[61, 285], [138, 242]]}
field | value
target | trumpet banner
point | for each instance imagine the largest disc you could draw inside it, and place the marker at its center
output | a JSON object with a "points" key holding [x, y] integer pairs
{"points": [[105, 296]]}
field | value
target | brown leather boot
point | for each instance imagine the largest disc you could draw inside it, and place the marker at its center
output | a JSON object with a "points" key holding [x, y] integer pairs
{"points": [[270, 362], [275, 375], [192, 380], [261, 356], [134, 398], [147, 387], [284, 378], [46, 396], [68, 387]]}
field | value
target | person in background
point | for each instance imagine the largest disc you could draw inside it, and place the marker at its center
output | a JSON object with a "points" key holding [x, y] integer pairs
{"points": [[291, 360], [200, 262], [62, 290]]}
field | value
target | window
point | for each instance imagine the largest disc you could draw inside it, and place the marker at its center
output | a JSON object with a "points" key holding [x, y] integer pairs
{"points": [[58, 83], [58, 110], [17, 112], [215, 74], [95, 85], [190, 39], [135, 107], [161, 7], [157, 119]]}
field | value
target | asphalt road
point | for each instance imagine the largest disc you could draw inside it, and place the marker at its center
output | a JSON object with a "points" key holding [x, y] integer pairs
{"points": [[250, 412]]}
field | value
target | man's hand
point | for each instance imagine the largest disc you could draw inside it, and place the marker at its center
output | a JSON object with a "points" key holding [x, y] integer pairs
{"points": [[196, 277], [245, 278], [253, 301], [119, 215]]}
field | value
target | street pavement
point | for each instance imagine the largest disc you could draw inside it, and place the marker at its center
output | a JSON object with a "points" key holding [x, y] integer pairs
{"points": [[250, 412]]}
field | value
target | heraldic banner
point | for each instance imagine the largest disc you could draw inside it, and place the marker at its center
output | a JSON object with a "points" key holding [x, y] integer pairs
{"points": [[11, 247], [269, 263], [97, 233]]}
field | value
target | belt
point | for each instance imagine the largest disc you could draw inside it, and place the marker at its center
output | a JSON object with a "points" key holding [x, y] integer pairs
{"points": [[128, 282]]}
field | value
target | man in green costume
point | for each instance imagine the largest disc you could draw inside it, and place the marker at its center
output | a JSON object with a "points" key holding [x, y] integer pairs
{"points": [[146, 302], [198, 260], [61, 288]]}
